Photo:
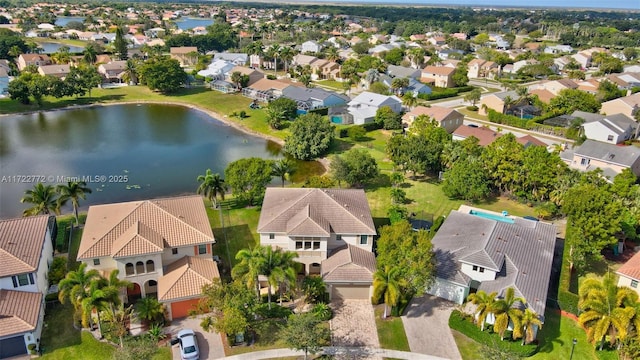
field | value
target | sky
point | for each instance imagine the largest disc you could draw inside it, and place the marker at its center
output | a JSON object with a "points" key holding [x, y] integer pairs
{"points": [[601, 4]]}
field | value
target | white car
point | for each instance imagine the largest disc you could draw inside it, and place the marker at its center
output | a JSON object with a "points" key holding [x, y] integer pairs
{"points": [[188, 345]]}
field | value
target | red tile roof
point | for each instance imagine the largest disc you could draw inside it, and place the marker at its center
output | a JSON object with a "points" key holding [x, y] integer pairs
{"points": [[631, 268]]}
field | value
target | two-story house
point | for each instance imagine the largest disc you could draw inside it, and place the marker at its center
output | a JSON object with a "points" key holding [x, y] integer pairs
{"points": [[628, 105], [310, 47], [448, 118], [25, 60], [440, 76], [612, 129], [319, 224], [482, 250], [113, 71], [186, 55], [162, 246], [26, 252], [363, 107], [612, 159]]}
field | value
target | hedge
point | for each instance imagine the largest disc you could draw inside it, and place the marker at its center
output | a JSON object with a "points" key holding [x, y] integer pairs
{"points": [[567, 300], [444, 93], [464, 324]]}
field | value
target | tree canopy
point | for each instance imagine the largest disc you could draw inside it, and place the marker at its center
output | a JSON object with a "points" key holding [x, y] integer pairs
{"points": [[311, 136], [162, 74], [356, 167], [248, 178]]}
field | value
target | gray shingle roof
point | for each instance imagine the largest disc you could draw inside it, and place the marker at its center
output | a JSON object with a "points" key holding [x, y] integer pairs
{"points": [[304, 94], [343, 211], [522, 251], [613, 154]]}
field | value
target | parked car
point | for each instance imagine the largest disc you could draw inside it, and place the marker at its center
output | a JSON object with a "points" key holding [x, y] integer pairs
{"points": [[188, 345]]}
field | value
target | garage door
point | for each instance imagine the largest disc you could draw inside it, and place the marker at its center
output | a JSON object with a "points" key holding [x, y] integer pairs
{"points": [[180, 309], [449, 291], [343, 292], [12, 347]]}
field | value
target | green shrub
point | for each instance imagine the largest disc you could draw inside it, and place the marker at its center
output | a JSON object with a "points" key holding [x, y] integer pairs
{"points": [[437, 223], [51, 297], [356, 133], [322, 312], [341, 132], [568, 301], [472, 108], [397, 213], [315, 289], [271, 77], [276, 311], [242, 114], [464, 324], [371, 126], [58, 270]]}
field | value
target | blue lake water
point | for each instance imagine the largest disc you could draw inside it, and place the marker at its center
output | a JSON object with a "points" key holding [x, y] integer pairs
{"points": [[159, 149], [50, 48], [190, 23], [64, 20]]}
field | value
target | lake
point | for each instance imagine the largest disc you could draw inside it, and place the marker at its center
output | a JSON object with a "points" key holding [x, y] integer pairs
{"points": [[51, 47], [64, 20], [189, 23], [129, 152]]}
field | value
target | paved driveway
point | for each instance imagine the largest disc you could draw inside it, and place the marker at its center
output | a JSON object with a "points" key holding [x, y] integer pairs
{"points": [[353, 324], [210, 343], [427, 326]]}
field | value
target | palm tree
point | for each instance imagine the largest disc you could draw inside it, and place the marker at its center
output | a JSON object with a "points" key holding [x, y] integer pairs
{"points": [[276, 259], [273, 53], [98, 299], [112, 286], [76, 286], [505, 311], [89, 54], [286, 54], [605, 310], [131, 71], [283, 277], [251, 265], [409, 100], [73, 191], [332, 54], [62, 56], [371, 76], [528, 321], [387, 284], [149, 309], [236, 78], [484, 306], [283, 168], [43, 197], [211, 185]]}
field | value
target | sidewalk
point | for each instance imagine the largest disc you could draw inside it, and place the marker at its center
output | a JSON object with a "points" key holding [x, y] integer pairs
{"points": [[349, 352]]}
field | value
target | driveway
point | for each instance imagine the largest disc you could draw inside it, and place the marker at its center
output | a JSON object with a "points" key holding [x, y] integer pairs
{"points": [[210, 343], [353, 324], [426, 324]]}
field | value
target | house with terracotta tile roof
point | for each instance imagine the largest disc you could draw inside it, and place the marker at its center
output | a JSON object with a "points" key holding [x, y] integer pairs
{"points": [[331, 230], [629, 273], [484, 134], [26, 252], [25, 60], [162, 246], [448, 118]]}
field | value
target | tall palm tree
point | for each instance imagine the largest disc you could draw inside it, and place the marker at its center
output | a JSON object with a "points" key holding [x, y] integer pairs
{"points": [[286, 54], [529, 320], [332, 53], [89, 54], [97, 299], [131, 71], [76, 287], [211, 185], [484, 303], [251, 265], [283, 168], [74, 190], [505, 311], [111, 286], [387, 284], [409, 100], [273, 52], [278, 267], [62, 56], [283, 277], [605, 310], [371, 76], [43, 198]]}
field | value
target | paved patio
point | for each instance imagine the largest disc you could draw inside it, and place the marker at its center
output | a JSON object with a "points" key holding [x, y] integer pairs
{"points": [[426, 324], [209, 343], [353, 324]]}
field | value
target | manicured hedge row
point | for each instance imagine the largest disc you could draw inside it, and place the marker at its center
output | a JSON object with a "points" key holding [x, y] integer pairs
{"points": [[445, 93], [464, 324], [567, 301]]}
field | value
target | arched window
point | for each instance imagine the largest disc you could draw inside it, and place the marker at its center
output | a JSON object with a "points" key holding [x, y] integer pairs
{"points": [[153, 283], [128, 269], [151, 267], [139, 267]]}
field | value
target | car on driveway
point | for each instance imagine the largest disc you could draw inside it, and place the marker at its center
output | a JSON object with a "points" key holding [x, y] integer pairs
{"points": [[188, 345]]}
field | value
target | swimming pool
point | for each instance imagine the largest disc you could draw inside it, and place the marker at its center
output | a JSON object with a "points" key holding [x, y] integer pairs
{"points": [[490, 216]]}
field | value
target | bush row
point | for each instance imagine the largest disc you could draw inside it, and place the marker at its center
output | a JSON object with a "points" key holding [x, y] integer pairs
{"points": [[464, 324], [445, 93], [567, 300]]}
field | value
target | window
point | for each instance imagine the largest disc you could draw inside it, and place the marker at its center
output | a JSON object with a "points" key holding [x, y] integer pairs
{"points": [[174, 251], [339, 237], [202, 249], [584, 162], [307, 245], [475, 268], [610, 138], [481, 269], [128, 269], [139, 267], [23, 279], [316, 245], [151, 266], [634, 284], [272, 236], [363, 239], [96, 262], [298, 245]]}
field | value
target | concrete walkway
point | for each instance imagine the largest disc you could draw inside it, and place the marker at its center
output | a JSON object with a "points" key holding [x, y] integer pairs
{"points": [[350, 352]]}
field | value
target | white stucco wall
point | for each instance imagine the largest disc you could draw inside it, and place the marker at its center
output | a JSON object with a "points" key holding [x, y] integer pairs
{"points": [[626, 281], [477, 275]]}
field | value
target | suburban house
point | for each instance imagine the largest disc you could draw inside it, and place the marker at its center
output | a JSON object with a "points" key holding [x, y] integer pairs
{"points": [[217, 70], [414, 86], [629, 273], [448, 118], [363, 107], [186, 55], [612, 129], [310, 47], [395, 71], [496, 101], [4, 81], [555, 86], [626, 80], [482, 250], [162, 246], [479, 68], [332, 232], [60, 71], [628, 105], [484, 135], [253, 74], [25, 60], [440, 76], [239, 59], [320, 68], [612, 159], [265, 89], [26, 252], [313, 98], [583, 58], [113, 71]]}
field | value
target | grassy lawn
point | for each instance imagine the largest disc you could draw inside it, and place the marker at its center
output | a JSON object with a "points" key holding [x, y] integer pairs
{"points": [[391, 332], [468, 348], [73, 250], [336, 85], [266, 338], [164, 353]]}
